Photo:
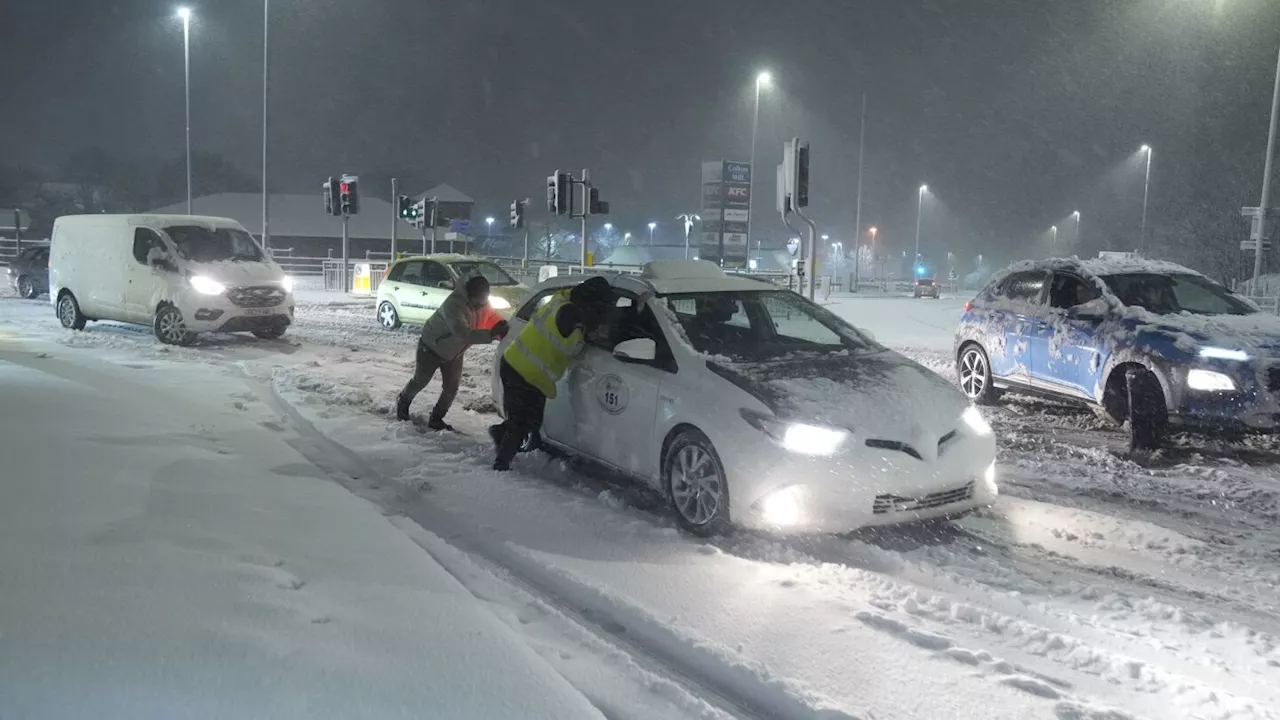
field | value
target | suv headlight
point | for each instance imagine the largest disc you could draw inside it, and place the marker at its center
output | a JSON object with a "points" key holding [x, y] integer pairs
{"points": [[973, 420], [207, 285], [1210, 381], [798, 437], [287, 283]]}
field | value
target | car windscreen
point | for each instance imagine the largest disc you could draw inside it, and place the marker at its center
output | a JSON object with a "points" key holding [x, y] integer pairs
{"points": [[205, 244], [1166, 294], [490, 271], [762, 324]]}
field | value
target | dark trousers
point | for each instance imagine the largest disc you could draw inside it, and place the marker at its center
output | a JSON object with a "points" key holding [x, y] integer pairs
{"points": [[426, 366], [523, 405]]}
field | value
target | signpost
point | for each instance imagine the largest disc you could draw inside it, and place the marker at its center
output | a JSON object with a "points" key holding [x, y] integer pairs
{"points": [[726, 209], [1255, 228]]}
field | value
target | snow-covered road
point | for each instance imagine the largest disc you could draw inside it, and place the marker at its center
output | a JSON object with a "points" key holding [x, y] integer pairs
{"points": [[1098, 587]]}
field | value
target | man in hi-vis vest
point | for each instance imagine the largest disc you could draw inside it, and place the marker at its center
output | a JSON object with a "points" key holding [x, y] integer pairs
{"points": [[539, 357]]}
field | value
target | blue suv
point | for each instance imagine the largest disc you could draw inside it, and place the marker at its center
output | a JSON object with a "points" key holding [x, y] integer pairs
{"points": [[1151, 343]]}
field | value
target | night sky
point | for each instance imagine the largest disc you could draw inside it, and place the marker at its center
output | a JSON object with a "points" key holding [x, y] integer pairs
{"points": [[1015, 112]]}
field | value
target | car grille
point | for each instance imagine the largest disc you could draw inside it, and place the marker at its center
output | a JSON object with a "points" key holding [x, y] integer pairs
{"points": [[1273, 379], [253, 297], [894, 445], [885, 504]]}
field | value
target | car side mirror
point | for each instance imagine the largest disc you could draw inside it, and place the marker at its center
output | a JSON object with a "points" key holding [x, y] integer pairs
{"points": [[638, 350]]}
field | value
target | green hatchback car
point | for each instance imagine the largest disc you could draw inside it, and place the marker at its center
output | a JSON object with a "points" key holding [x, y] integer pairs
{"points": [[414, 287]]}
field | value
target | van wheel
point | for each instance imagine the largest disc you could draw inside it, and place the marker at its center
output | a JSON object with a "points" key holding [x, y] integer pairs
{"points": [[387, 316], [270, 333], [170, 328], [69, 312], [695, 481], [26, 288]]}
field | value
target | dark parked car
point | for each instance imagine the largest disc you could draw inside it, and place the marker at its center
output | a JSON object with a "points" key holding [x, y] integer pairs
{"points": [[29, 272], [1149, 342], [927, 287]]}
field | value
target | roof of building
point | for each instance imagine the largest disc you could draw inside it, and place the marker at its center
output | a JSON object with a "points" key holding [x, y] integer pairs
{"points": [[446, 194], [297, 215]]}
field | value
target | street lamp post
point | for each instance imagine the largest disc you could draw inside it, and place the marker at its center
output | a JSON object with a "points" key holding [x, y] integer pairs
{"points": [[919, 211], [1146, 189], [1054, 229], [652, 225], [1076, 215], [763, 80], [689, 219], [873, 232], [1266, 180], [185, 14], [266, 233]]}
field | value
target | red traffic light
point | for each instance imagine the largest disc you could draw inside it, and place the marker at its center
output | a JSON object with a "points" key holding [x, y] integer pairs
{"points": [[345, 187]]}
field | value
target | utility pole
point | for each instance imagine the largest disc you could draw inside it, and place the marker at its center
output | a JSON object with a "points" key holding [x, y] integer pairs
{"points": [[857, 213], [266, 233], [346, 257], [586, 210], [1266, 181], [395, 216]]}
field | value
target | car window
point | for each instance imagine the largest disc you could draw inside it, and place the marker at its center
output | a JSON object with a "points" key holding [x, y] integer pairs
{"points": [[143, 240], [1024, 287], [1069, 291], [204, 244], [535, 302], [411, 272], [490, 271], [1176, 293], [777, 323], [433, 274]]}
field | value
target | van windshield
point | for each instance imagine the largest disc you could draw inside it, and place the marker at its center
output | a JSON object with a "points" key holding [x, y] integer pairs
{"points": [[203, 244]]}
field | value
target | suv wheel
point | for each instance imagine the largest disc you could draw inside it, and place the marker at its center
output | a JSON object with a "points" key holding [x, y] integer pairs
{"points": [[974, 370]]}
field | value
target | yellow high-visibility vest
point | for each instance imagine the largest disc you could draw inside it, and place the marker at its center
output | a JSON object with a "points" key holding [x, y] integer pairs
{"points": [[540, 353]]}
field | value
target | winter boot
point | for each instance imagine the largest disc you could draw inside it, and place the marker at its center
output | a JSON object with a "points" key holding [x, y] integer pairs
{"points": [[438, 424], [402, 408]]}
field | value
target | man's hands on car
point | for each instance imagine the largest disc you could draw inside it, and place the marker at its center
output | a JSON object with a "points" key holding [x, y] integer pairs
{"points": [[500, 328]]}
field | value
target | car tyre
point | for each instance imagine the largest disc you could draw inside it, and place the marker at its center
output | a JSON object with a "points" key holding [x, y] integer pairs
{"points": [[69, 313], [388, 318], [27, 288], [170, 328], [696, 484], [973, 368], [270, 333], [1148, 415]]}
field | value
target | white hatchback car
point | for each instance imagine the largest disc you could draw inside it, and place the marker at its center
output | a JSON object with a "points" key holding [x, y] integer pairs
{"points": [[745, 404]]}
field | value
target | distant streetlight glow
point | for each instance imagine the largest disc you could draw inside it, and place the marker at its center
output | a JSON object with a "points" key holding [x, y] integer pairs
{"points": [[652, 225], [608, 227], [184, 14], [1076, 215], [764, 79]]}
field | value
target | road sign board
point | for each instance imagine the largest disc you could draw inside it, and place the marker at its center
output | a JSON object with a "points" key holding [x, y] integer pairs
{"points": [[459, 226]]}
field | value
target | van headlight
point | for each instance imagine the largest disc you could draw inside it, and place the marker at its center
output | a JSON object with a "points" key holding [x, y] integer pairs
{"points": [[498, 303], [207, 285], [797, 437], [1210, 381], [973, 420], [287, 283]]}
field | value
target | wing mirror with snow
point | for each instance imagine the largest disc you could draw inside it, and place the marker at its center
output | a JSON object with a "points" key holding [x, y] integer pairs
{"points": [[638, 350]]}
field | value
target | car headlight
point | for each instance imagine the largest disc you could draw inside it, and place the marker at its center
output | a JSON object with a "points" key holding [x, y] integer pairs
{"points": [[1210, 381], [973, 420], [287, 283], [207, 285], [989, 479], [797, 437], [783, 507], [1219, 353], [498, 303]]}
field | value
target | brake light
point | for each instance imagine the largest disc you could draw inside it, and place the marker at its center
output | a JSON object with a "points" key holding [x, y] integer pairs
{"points": [[968, 306]]}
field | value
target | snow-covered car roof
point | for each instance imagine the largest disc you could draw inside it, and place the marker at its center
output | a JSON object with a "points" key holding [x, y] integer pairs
{"points": [[448, 258], [667, 277], [1098, 266]]}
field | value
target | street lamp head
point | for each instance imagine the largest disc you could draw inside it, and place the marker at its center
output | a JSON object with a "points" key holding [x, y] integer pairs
{"points": [[826, 237], [653, 225], [873, 231], [489, 220], [184, 13], [1145, 148], [1076, 214], [924, 189], [764, 80], [608, 226], [1053, 228]]}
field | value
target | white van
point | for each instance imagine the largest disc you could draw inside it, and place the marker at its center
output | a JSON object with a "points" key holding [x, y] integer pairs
{"points": [[180, 274]]}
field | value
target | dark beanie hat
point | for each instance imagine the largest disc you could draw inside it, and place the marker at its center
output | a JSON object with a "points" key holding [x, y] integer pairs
{"points": [[477, 284], [595, 289]]}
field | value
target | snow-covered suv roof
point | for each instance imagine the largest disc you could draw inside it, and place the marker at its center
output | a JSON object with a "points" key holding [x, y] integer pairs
{"points": [[1098, 266]]}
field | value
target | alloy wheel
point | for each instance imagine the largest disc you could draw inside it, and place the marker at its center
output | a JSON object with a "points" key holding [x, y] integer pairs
{"points": [[696, 485], [973, 373]]}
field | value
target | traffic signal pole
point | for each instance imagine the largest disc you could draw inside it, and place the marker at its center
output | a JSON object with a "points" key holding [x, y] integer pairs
{"points": [[346, 256], [395, 216], [586, 210]]}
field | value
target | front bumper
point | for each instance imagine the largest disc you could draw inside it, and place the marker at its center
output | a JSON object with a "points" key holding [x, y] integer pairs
{"points": [[216, 313], [862, 488], [1253, 408]]}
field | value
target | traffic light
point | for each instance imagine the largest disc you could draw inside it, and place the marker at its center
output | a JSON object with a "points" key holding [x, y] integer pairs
{"points": [[407, 208], [349, 195], [559, 195], [596, 206], [802, 176], [517, 214], [330, 192]]}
